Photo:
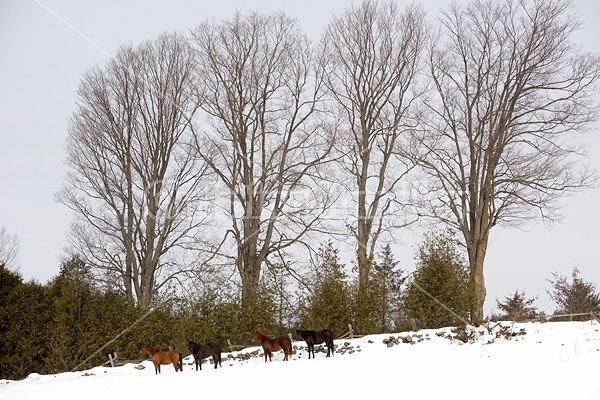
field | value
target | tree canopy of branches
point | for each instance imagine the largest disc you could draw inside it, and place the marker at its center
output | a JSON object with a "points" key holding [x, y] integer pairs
{"points": [[576, 297], [9, 249], [132, 179], [509, 86], [371, 54], [260, 90]]}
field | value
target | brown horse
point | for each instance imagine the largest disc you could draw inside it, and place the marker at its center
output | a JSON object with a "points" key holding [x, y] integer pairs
{"points": [[163, 357], [270, 345], [201, 351], [317, 337]]}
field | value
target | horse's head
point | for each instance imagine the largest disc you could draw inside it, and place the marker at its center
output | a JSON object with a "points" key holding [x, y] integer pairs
{"points": [[193, 347], [257, 337]]}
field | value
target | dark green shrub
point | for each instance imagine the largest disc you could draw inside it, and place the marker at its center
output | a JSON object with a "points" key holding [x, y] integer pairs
{"points": [[437, 295]]}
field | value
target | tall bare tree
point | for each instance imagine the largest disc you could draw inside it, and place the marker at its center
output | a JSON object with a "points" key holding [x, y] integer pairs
{"points": [[371, 54], [510, 87], [260, 91], [133, 182], [9, 249]]}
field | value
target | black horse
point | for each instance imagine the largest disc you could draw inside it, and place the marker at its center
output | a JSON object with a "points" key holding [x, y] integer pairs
{"points": [[202, 351], [317, 337]]}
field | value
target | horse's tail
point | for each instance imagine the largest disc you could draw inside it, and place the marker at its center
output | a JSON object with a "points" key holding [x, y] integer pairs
{"points": [[219, 356], [180, 362]]}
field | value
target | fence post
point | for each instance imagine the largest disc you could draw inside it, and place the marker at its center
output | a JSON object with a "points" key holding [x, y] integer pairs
{"points": [[112, 360], [350, 331]]}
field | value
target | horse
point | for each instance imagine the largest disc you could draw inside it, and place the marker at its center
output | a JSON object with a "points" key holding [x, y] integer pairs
{"points": [[163, 357], [201, 351], [270, 345], [317, 337]]}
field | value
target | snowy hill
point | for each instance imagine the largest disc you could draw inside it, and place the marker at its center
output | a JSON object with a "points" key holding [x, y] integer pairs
{"points": [[553, 360]]}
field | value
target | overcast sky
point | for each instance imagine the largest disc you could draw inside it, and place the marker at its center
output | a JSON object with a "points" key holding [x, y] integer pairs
{"points": [[46, 46]]}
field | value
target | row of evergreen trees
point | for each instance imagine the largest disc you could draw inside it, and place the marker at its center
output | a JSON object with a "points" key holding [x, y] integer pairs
{"points": [[69, 323]]}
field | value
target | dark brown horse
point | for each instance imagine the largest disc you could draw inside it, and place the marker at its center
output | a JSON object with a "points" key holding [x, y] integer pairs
{"points": [[270, 345], [163, 357], [317, 337], [202, 351]]}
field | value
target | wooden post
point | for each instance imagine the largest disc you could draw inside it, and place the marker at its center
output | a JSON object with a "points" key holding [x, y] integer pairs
{"points": [[290, 336], [112, 360], [350, 331], [230, 345]]}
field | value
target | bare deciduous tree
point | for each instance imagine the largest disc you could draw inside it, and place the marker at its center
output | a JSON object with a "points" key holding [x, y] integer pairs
{"points": [[510, 86], [371, 54], [9, 249], [260, 91], [133, 182]]}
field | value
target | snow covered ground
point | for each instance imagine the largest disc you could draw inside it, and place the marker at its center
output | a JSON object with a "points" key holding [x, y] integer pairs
{"points": [[552, 360]]}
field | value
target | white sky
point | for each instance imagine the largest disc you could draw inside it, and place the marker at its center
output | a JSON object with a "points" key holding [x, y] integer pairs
{"points": [[46, 46]]}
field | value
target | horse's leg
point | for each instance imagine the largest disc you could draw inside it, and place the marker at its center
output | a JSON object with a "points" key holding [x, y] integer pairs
{"points": [[288, 352], [215, 359]]}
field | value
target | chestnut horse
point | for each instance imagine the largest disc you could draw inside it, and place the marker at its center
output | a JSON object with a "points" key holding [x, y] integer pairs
{"points": [[163, 357], [201, 351], [270, 345], [317, 337]]}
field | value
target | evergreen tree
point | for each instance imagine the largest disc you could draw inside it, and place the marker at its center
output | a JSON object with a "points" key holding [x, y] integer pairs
{"points": [[576, 297], [390, 280], [517, 307], [376, 309], [328, 305], [24, 316], [437, 295], [84, 319]]}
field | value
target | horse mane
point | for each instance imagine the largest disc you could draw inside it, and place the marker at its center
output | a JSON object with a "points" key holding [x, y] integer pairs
{"points": [[149, 349]]}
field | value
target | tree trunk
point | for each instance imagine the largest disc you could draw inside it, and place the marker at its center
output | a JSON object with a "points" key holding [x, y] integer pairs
{"points": [[363, 234], [250, 277], [477, 292]]}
